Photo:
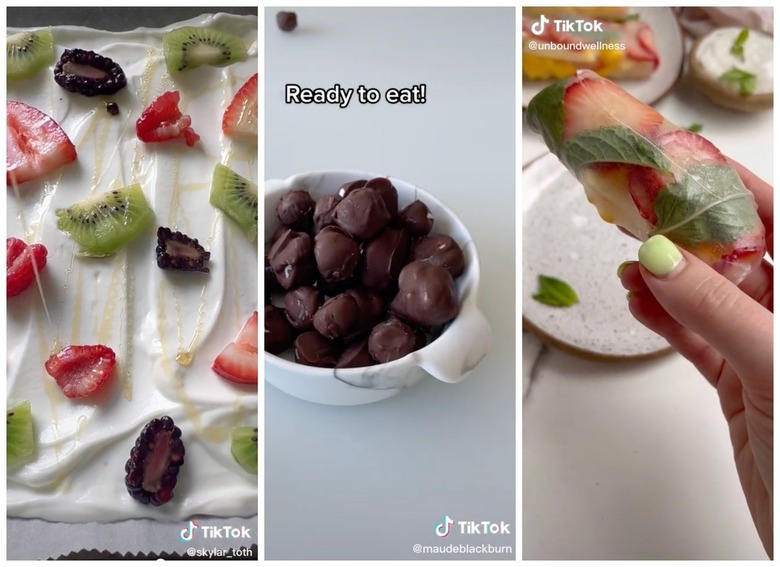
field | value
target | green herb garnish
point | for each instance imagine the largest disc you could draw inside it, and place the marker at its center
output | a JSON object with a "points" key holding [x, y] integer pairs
{"points": [[695, 128], [738, 47], [629, 18], [555, 293], [745, 80]]}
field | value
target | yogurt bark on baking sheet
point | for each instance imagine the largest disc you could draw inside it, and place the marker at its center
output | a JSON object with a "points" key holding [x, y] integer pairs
{"points": [[137, 186]]}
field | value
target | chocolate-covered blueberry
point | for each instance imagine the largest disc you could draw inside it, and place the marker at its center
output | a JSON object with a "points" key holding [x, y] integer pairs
{"points": [[416, 218], [391, 340], [371, 309], [312, 349], [383, 259], [292, 259], [296, 210], [350, 186], [426, 295], [279, 334], [337, 316], [389, 194], [287, 21], [362, 213], [300, 305], [440, 250], [324, 212], [336, 253], [271, 283], [356, 355]]}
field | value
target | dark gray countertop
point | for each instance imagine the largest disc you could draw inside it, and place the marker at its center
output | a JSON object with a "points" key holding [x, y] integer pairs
{"points": [[112, 18]]}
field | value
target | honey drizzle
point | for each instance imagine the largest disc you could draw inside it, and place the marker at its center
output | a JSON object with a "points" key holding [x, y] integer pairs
{"points": [[212, 434]]}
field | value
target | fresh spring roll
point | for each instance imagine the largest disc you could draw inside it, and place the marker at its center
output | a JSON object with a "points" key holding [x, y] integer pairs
{"points": [[648, 175]]}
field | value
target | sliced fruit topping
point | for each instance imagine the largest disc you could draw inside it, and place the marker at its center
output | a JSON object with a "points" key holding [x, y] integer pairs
{"points": [[238, 360], [20, 437], [22, 262], [236, 197], [163, 121], [154, 462], [247, 336], [80, 370], [104, 223], [240, 118], [88, 73], [593, 102], [189, 47], [243, 446], [36, 145], [177, 251], [27, 53]]}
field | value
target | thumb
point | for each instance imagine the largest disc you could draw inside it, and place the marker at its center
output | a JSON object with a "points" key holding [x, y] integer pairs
{"points": [[705, 302]]}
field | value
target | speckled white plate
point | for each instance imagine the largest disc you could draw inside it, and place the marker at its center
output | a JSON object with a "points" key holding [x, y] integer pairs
{"points": [[671, 50], [564, 237]]}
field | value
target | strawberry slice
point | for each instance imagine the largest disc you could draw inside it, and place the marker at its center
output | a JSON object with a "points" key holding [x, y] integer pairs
{"points": [[238, 360], [686, 149], [592, 102], [80, 370], [240, 118], [163, 121], [36, 145], [19, 258], [248, 333]]}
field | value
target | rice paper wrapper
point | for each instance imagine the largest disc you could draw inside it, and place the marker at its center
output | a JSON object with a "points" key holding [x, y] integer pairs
{"points": [[650, 176]]}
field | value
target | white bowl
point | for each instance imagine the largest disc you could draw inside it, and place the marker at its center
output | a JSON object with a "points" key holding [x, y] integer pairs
{"points": [[449, 358]]}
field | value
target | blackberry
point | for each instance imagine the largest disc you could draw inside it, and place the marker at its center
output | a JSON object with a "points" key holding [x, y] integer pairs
{"points": [[88, 73], [177, 251], [154, 462]]}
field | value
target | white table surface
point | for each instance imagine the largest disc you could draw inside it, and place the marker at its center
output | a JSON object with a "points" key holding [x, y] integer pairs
{"points": [[372, 481], [633, 460]]}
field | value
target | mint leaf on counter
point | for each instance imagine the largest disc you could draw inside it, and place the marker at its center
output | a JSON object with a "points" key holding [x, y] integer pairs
{"points": [[745, 80], [616, 144], [555, 292], [738, 48]]}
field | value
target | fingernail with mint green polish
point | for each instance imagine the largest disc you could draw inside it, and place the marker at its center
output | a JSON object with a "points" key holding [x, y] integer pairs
{"points": [[660, 256], [622, 267]]}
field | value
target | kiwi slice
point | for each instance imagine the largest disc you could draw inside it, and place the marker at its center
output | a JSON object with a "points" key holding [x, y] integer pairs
{"points": [[20, 439], [236, 197], [104, 223], [28, 52], [188, 47], [243, 445]]}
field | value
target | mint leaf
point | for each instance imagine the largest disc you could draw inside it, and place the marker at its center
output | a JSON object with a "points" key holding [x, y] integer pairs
{"points": [[545, 114], [745, 80], [555, 292], [738, 47], [708, 205], [616, 144], [695, 128]]}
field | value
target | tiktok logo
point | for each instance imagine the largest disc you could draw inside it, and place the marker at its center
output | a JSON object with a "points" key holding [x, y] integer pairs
{"points": [[443, 529], [538, 27], [187, 533]]}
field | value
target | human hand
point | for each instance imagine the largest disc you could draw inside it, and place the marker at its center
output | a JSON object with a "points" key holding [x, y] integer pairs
{"points": [[726, 332]]}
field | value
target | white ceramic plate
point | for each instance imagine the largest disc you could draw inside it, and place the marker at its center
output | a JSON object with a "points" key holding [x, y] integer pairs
{"points": [[564, 237], [671, 48]]}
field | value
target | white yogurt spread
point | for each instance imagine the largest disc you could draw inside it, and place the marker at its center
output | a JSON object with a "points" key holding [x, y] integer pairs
{"points": [[715, 56], [166, 328]]}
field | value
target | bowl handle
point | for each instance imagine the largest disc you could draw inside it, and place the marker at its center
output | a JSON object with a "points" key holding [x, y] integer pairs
{"points": [[452, 356]]}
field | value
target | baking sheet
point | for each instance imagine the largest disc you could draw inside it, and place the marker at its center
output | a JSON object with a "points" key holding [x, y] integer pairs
{"points": [[39, 539]]}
